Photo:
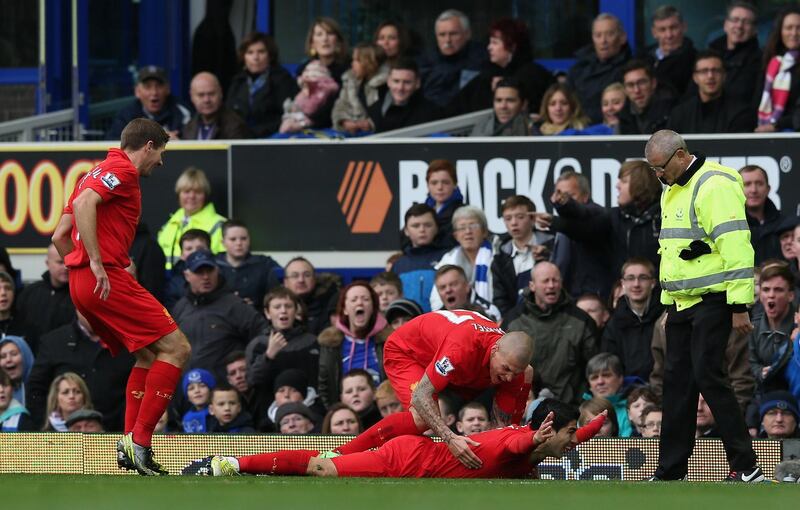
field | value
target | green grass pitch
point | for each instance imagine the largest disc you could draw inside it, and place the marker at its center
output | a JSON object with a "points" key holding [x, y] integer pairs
{"points": [[284, 493]]}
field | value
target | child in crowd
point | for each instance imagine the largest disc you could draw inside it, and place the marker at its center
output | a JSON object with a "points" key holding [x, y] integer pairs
{"points": [[358, 392], [386, 399], [416, 267], [638, 399], [388, 287], [192, 240], [225, 413], [589, 409], [472, 418], [651, 421], [292, 386], [401, 311], [249, 276], [316, 88], [13, 415], [604, 373], [197, 386]]}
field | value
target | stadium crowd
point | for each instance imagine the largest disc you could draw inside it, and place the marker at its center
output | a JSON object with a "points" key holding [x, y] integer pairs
{"points": [[290, 350]]}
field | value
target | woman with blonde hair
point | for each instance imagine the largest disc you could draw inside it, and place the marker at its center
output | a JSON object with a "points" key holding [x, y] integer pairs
{"points": [[560, 110], [68, 393]]}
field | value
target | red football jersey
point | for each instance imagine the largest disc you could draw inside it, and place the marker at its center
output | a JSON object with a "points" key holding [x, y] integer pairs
{"points": [[116, 180], [454, 346]]}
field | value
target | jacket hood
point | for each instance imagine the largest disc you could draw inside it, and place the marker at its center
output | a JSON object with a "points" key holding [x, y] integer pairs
{"points": [[333, 336], [380, 324], [25, 349]]}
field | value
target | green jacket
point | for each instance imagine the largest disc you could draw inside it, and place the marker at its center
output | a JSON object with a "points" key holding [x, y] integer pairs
{"points": [[705, 239], [205, 219]]}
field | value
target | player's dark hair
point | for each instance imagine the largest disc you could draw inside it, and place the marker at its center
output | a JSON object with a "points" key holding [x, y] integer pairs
{"points": [[195, 233], [563, 413], [231, 224], [419, 210], [140, 131]]}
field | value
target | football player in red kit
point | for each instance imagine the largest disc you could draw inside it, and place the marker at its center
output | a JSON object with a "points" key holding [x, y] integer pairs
{"points": [[94, 236], [509, 452], [462, 351]]}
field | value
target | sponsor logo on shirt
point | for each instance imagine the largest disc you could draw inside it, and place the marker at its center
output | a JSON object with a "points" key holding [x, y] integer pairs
{"points": [[110, 180], [443, 366]]}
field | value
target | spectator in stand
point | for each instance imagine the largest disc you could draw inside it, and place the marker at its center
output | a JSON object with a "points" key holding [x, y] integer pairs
{"points": [[649, 103], [87, 421], [559, 111], [740, 52], [258, 91], [472, 419], [149, 261], [365, 79], [629, 333], [196, 211], [319, 292], [76, 348], [213, 120], [153, 101], [16, 358], [7, 267], [192, 240], [509, 116], [612, 102], [214, 319], [510, 58], [456, 60], [589, 409], [763, 216], [565, 335], [388, 287], [386, 399], [402, 104], [358, 393], [786, 236], [341, 420], [325, 44], [10, 320], [46, 305], [394, 39], [197, 385], [225, 413], [415, 267], [651, 421], [672, 56], [594, 306], [444, 196], [639, 399], [286, 344], [249, 276], [455, 293], [310, 107], [291, 385], [706, 423], [605, 377], [473, 254], [600, 64], [710, 109], [67, 394], [779, 416], [519, 249], [295, 418], [214, 44], [401, 311], [253, 398], [13, 415], [355, 341], [779, 84]]}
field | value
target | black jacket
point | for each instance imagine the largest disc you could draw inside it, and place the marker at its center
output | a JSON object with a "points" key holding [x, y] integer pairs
{"points": [[742, 67], [443, 76], [68, 349], [506, 283], [301, 352], [263, 117], [242, 424], [654, 117], [764, 236], [42, 308], [176, 286], [590, 75], [630, 337], [150, 261], [321, 302], [722, 115], [256, 276], [417, 110], [172, 117], [675, 69], [228, 125]]}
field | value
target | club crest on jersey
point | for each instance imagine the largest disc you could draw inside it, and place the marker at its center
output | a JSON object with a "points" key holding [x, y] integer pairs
{"points": [[443, 366], [110, 180]]}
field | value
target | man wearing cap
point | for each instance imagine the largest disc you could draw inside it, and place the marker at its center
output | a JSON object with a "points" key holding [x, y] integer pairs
{"points": [[779, 415], [153, 101], [401, 311], [295, 418], [216, 321], [85, 420]]}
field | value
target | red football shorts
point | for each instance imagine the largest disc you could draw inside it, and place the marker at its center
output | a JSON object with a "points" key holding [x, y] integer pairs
{"points": [[131, 317], [403, 372], [401, 457]]}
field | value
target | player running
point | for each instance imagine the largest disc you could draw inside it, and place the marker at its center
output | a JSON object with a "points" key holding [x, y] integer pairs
{"points": [[94, 236], [459, 350], [510, 452]]}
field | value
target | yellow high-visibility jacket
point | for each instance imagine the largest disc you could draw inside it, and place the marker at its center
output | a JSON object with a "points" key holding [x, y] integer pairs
{"points": [[705, 204], [205, 219]]}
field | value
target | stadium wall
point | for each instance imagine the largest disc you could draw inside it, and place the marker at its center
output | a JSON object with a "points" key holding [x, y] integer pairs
{"points": [[599, 459]]}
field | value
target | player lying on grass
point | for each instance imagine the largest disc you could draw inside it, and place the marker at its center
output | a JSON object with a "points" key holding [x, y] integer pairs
{"points": [[509, 452]]}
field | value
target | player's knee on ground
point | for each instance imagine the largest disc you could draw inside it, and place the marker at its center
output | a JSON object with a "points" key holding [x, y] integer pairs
{"points": [[321, 467]]}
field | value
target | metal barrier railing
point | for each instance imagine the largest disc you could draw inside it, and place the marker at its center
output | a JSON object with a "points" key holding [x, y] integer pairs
{"points": [[460, 125]]}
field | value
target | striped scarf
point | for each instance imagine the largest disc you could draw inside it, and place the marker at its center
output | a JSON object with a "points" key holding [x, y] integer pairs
{"points": [[482, 263], [777, 84]]}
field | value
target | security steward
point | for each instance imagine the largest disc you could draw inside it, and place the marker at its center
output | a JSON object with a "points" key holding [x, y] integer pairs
{"points": [[706, 277]]}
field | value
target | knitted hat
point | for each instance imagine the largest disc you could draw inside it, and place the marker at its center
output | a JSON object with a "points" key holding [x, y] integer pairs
{"points": [[294, 408], [198, 375], [402, 307], [782, 400], [84, 414], [293, 377]]}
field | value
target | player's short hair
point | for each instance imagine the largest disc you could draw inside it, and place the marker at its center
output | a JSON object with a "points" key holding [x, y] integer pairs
{"points": [[224, 386], [193, 178], [419, 210], [517, 201], [360, 372], [604, 361], [472, 405], [450, 267], [195, 233], [563, 413], [638, 261], [442, 165], [387, 278], [233, 357], [140, 131], [231, 224], [582, 180], [645, 392]]}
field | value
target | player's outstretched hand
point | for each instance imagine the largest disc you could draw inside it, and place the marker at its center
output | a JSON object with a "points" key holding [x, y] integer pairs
{"points": [[103, 285], [459, 447], [545, 431]]}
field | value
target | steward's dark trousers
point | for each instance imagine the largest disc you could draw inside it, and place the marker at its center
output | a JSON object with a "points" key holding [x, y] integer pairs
{"points": [[695, 363]]}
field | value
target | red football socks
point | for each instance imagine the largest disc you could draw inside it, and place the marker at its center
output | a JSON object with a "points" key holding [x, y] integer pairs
{"points": [[591, 429], [394, 425], [134, 393], [162, 378], [284, 462]]}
